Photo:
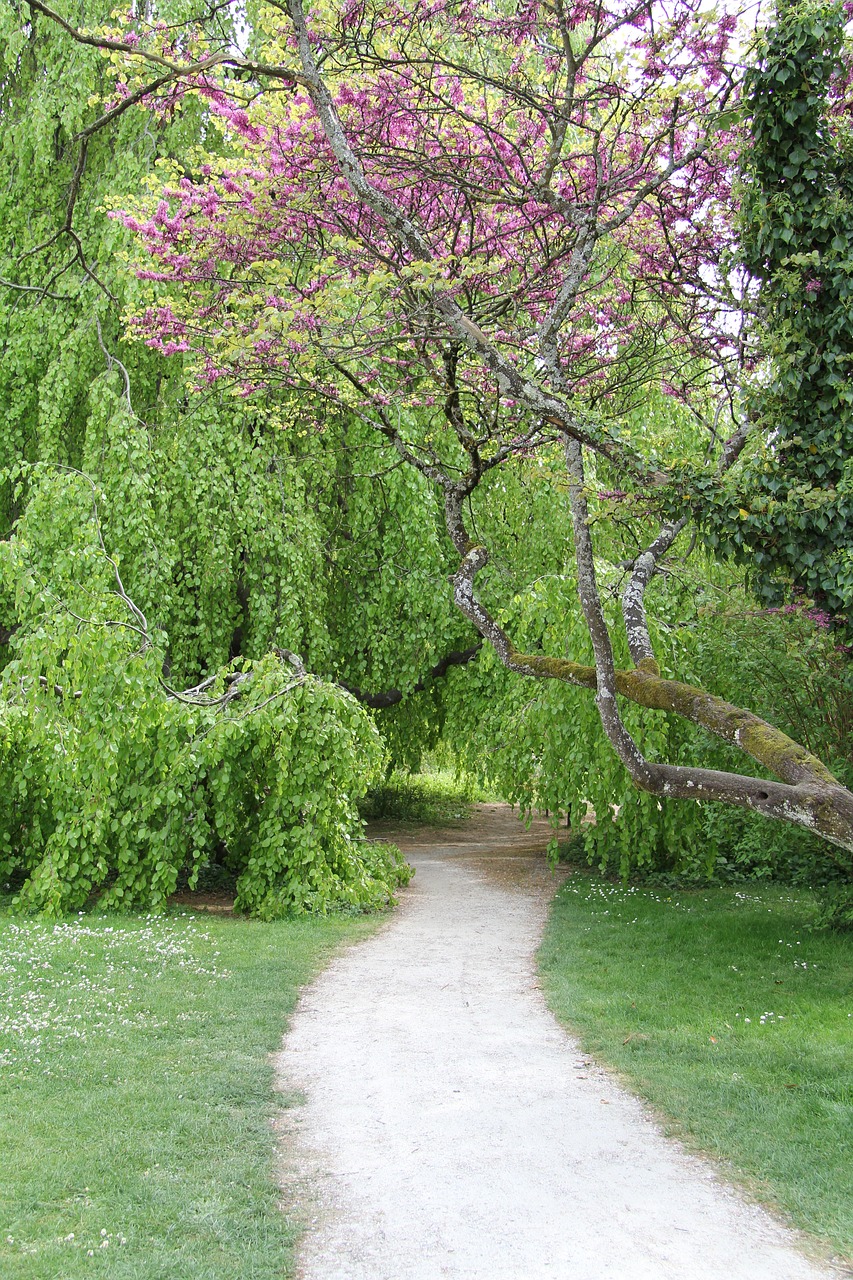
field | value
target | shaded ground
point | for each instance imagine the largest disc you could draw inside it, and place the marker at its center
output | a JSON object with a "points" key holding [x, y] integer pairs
{"points": [[218, 901], [450, 1128]]}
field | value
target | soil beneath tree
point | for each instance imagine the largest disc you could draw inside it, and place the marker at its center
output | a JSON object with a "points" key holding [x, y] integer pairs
{"points": [[444, 1125]]}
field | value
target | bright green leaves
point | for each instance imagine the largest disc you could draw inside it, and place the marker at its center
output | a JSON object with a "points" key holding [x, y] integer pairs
{"points": [[112, 787], [229, 543]]}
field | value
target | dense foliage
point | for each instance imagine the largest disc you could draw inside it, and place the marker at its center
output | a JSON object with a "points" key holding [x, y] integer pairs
{"points": [[283, 467], [794, 523], [111, 786], [227, 540]]}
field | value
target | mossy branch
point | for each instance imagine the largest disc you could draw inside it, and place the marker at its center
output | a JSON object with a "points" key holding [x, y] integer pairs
{"points": [[807, 794]]}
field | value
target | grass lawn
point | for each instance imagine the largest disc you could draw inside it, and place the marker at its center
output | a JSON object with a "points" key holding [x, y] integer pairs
{"points": [[136, 1093], [735, 1021]]}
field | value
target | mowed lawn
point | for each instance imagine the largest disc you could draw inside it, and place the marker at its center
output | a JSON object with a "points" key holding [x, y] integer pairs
{"points": [[732, 1018], [136, 1093]]}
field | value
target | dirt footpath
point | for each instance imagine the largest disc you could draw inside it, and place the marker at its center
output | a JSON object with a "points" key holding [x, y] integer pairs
{"points": [[452, 1129]]}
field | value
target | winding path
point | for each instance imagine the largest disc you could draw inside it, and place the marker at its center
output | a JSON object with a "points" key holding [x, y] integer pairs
{"points": [[452, 1129]]}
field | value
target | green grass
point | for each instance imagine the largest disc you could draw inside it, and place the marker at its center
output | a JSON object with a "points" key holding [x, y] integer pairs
{"points": [[436, 798], [734, 1020], [136, 1093]]}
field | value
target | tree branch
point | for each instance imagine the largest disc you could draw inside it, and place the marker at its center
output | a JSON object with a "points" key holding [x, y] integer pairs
{"points": [[633, 596], [808, 794], [390, 698], [510, 380], [605, 677]]}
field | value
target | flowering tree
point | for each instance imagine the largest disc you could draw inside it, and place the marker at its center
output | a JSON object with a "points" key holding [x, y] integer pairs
{"points": [[488, 231]]}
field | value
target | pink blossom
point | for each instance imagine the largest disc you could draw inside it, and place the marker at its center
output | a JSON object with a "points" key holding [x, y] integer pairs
{"points": [[463, 160]]}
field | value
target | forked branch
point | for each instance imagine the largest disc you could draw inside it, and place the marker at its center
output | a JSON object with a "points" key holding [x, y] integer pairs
{"points": [[807, 794]]}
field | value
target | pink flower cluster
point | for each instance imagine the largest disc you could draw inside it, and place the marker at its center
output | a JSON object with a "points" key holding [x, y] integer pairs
{"points": [[501, 150]]}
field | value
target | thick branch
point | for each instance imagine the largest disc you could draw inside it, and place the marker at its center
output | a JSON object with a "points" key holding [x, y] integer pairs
{"points": [[390, 698], [578, 266], [734, 446], [808, 794]]}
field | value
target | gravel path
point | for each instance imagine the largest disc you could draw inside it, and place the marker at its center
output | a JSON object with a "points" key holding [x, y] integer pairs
{"points": [[452, 1129]]}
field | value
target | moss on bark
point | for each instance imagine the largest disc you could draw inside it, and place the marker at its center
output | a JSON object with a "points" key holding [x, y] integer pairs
{"points": [[766, 744]]}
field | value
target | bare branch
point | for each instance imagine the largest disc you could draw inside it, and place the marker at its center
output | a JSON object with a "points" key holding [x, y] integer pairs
{"points": [[114, 360], [174, 72], [142, 623], [41, 290], [605, 697], [633, 596]]}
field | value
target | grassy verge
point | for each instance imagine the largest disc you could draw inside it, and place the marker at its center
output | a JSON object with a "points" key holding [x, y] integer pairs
{"points": [[731, 1018], [136, 1093]]}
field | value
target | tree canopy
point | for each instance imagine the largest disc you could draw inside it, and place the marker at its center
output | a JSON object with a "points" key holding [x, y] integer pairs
{"points": [[551, 301]]}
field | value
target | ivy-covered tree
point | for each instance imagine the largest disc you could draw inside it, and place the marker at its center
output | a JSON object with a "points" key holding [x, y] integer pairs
{"points": [[795, 523]]}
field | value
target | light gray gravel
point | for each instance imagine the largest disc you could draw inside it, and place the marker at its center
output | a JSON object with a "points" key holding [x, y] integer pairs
{"points": [[452, 1129]]}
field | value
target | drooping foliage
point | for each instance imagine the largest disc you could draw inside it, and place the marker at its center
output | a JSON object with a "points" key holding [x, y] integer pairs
{"points": [[109, 786], [231, 542], [272, 471]]}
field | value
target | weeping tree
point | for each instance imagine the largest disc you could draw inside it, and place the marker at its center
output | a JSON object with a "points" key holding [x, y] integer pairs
{"points": [[160, 556], [503, 244]]}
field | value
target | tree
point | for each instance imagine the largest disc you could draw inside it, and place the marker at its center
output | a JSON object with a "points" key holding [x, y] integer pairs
{"points": [[130, 760], [797, 225], [487, 235], [460, 213]]}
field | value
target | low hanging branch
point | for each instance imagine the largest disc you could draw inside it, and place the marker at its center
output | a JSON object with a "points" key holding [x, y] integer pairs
{"points": [[234, 684], [808, 794], [390, 698]]}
